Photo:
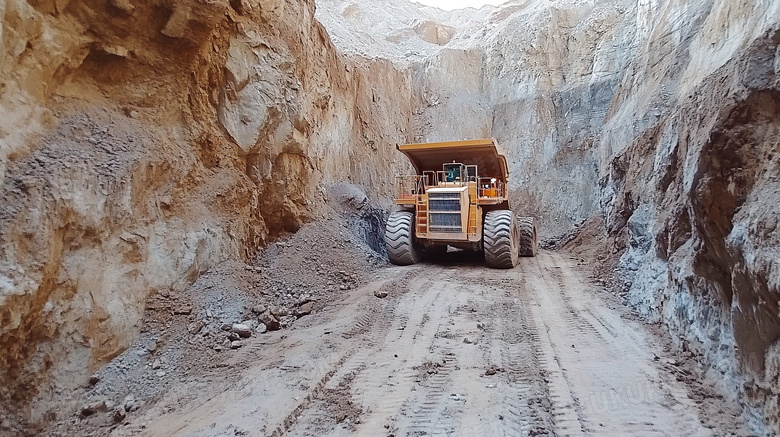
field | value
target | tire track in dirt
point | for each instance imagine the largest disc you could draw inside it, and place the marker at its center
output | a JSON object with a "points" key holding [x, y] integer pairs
{"points": [[524, 376], [601, 379], [312, 397], [517, 417], [484, 310], [382, 389], [430, 414], [316, 418]]}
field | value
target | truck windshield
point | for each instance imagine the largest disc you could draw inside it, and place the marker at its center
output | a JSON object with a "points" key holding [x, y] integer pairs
{"points": [[452, 172]]}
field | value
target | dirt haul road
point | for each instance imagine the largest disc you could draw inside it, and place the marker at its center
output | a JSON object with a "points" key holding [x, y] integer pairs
{"points": [[453, 349]]}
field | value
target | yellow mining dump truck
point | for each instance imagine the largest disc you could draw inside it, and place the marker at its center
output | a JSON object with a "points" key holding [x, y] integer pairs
{"points": [[457, 198]]}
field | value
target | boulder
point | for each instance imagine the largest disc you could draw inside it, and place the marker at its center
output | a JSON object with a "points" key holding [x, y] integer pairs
{"points": [[271, 323], [242, 330]]}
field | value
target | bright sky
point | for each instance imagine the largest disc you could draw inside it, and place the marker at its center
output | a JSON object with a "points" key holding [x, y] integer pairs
{"points": [[449, 5]]}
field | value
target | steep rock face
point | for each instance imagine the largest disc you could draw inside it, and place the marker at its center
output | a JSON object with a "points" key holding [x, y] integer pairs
{"points": [[695, 193], [548, 89], [145, 142]]}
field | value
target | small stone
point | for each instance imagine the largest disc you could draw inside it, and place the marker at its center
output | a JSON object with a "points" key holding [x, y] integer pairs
{"points": [[235, 345], [225, 327], [160, 373], [261, 328], [195, 327], [305, 309], [92, 408], [242, 330], [129, 403], [233, 336], [152, 347], [156, 364], [94, 379], [380, 294], [120, 414], [270, 322], [468, 341], [259, 309], [218, 348], [279, 311]]}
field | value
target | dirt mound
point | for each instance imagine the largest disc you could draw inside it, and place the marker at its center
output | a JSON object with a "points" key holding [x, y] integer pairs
{"points": [[189, 334]]}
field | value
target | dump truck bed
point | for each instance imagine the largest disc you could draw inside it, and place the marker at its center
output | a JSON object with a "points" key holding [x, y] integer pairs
{"points": [[484, 153]]}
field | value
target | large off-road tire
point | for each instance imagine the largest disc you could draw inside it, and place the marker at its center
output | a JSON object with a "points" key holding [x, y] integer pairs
{"points": [[402, 247], [527, 228], [500, 238]]}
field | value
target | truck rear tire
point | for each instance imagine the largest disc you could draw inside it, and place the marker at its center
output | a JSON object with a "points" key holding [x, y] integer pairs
{"points": [[402, 247], [500, 239], [527, 228]]}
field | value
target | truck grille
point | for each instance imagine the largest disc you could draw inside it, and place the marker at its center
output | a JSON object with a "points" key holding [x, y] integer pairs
{"points": [[444, 212]]}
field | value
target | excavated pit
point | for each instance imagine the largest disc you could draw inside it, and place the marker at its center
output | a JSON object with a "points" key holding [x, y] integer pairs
{"points": [[153, 155]]}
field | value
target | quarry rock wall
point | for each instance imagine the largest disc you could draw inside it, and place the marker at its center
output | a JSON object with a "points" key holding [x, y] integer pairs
{"points": [[691, 195], [143, 142]]}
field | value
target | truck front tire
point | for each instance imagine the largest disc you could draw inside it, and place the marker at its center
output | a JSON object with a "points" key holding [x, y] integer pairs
{"points": [[402, 247], [500, 239]]}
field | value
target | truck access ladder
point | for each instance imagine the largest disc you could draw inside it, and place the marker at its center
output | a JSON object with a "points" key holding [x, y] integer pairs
{"points": [[421, 214], [472, 230]]}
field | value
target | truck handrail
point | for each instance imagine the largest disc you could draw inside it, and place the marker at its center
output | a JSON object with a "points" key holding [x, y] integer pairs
{"points": [[490, 188], [408, 187]]}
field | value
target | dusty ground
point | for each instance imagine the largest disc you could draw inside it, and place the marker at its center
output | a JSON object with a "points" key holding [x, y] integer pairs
{"points": [[450, 348]]}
